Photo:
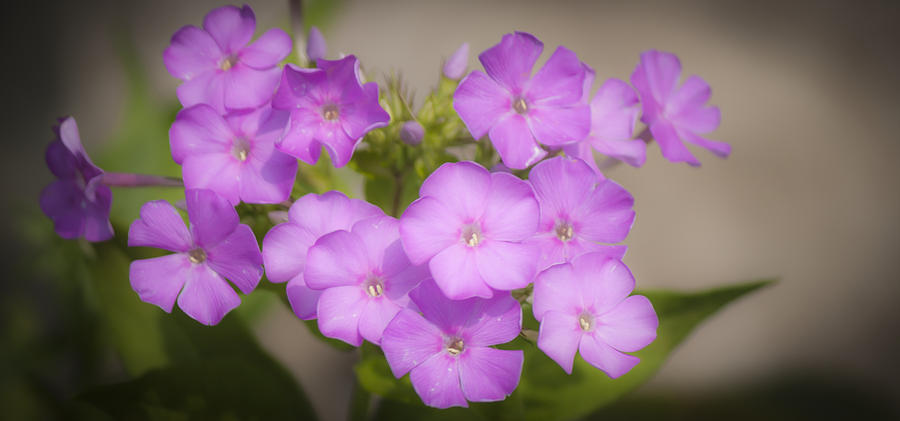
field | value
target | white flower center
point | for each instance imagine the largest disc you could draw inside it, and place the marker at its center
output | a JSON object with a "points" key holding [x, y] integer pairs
{"points": [[564, 231], [228, 62], [471, 235], [240, 149], [520, 105], [455, 346], [197, 256], [330, 112], [374, 286], [586, 321]]}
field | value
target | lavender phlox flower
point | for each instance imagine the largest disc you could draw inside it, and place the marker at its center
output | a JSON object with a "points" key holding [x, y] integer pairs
{"points": [[412, 133], [614, 112], [579, 210], [315, 45], [329, 107], [219, 68], [584, 306], [469, 226], [215, 248], [235, 154], [674, 114], [455, 66], [286, 245], [78, 202], [516, 110], [447, 349], [364, 276]]}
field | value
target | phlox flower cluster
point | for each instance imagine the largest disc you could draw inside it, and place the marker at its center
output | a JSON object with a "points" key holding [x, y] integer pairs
{"points": [[441, 286]]}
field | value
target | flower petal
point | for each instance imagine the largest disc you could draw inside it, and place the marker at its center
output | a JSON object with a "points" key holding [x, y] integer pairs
{"points": [[375, 317], [511, 212], [604, 282], [303, 299], [556, 289], [299, 138], [246, 87], [512, 138], [96, 214], [336, 259], [61, 202], [693, 94], [488, 374], [206, 296], [212, 217], [556, 126], [427, 227], [268, 175], [206, 88], [670, 144], [199, 130], [284, 251], [268, 50], [191, 53], [506, 266], [160, 226], [480, 103], [159, 280], [560, 81], [230, 27], [436, 381], [631, 152], [219, 172], [238, 259], [661, 71], [408, 341], [495, 321], [364, 114], [698, 120], [721, 149], [339, 312], [461, 186], [561, 186], [606, 216], [60, 160], [330, 211], [559, 336], [510, 62], [455, 271], [604, 357], [629, 326]]}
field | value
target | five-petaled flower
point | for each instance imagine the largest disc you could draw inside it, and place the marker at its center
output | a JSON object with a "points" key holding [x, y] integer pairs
{"points": [[584, 306], [215, 247], [447, 349], [517, 111], [219, 68]]}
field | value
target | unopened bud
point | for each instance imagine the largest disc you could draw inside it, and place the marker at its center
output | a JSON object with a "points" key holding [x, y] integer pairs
{"points": [[412, 133], [456, 65]]}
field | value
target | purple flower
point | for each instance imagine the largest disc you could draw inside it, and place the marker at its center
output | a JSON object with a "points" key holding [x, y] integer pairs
{"points": [[447, 349], [455, 67], [412, 133], [215, 248], [614, 112], [517, 111], [315, 45], [584, 306], [469, 225], [579, 210], [219, 68], [285, 246], [77, 202], [365, 276], [329, 107], [234, 155], [676, 114]]}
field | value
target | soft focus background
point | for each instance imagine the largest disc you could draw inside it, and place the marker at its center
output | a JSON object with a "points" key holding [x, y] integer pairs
{"points": [[809, 95]]}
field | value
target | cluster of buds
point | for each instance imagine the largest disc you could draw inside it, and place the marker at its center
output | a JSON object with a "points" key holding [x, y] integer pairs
{"points": [[440, 286]]}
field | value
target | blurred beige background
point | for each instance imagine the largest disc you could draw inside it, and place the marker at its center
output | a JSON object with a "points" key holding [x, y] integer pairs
{"points": [[809, 96]]}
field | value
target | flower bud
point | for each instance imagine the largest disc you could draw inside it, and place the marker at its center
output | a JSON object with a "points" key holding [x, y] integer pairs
{"points": [[455, 67], [412, 133], [315, 45]]}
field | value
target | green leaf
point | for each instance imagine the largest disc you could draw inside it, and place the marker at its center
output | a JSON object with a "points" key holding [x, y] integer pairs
{"points": [[551, 394]]}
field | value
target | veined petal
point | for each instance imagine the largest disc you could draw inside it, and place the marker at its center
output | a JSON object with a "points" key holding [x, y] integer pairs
{"points": [[339, 312], [510, 62], [159, 280], [237, 258], [560, 81], [480, 103], [268, 50], [559, 336], [436, 381], [512, 138], [206, 297], [230, 27], [160, 226], [629, 326], [604, 357], [212, 217], [409, 340], [488, 374]]}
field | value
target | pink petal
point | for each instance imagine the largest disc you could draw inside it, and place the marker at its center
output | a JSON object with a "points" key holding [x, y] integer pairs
{"points": [[561, 186], [559, 336], [219, 172], [461, 186], [376, 235], [455, 270], [556, 289], [436, 381], [284, 251], [427, 227], [721, 149], [556, 126], [448, 315], [206, 296], [488, 374], [206, 88], [337, 259], [629, 326], [583, 151], [511, 212], [400, 275], [506, 266], [192, 52], [495, 321], [199, 130], [698, 120], [160, 226], [340, 146], [339, 312], [315, 45], [230, 27], [299, 139], [96, 215], [61, 202], [614, 111], [662, 71], [246, 87], [238, 259], [480, 103], [303, 299], [510, 62], [604, 357], [604, 282], [212, 217], [375, 317], [670, 144], [606, 215], [330, 211], [631, 152], [512, 138], [268, 50], [560, 81], [268, 175], [409, 340], [363, 115], [159, 280], [60, 160], [693, 94]]}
